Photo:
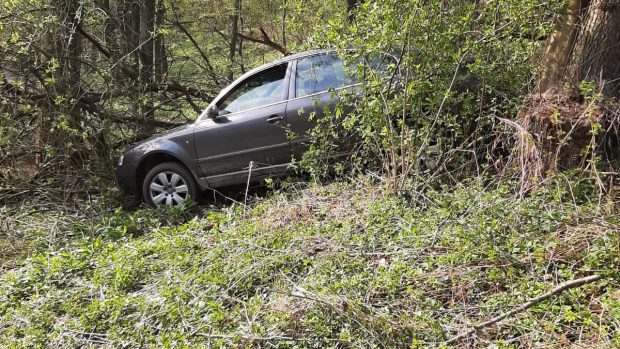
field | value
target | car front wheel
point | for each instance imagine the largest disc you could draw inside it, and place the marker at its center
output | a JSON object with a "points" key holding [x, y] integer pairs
{"points": [[168, 184]]}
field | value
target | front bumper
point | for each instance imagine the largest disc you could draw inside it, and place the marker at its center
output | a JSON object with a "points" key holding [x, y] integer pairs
{"points": [[126, 179]]}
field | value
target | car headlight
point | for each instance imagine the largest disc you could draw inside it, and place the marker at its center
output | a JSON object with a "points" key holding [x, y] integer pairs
{"points": [[120, 160]]}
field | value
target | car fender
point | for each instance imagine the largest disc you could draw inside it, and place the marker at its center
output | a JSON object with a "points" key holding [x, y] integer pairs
{"points": [[185, 153]]}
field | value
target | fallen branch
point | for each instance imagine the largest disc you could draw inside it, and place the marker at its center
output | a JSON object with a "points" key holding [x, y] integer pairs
{"points": [[559, 289], [188, 92], [98, 45], [146, 121]]}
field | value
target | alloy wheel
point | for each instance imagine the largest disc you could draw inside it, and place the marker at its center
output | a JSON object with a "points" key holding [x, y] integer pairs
{"points": [[168, 188]]}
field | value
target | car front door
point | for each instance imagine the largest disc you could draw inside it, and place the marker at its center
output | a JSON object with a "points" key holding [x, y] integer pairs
{"points": [[249, 132]]}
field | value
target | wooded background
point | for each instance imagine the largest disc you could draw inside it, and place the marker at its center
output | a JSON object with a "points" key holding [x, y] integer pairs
{"points": [[82, 79]]}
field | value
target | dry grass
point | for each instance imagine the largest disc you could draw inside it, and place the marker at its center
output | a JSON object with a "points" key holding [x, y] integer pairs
{"points": [[557, 131]]}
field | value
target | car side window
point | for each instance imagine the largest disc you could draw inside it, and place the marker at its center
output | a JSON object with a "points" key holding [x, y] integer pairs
{"points": [[382, 64], [320, 73], [266, 87]]}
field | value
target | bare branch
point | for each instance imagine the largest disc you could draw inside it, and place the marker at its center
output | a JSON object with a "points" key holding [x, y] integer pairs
{"points": [[199, 49], [188, 92], [265, 41], [99, 46], [523, 307]]}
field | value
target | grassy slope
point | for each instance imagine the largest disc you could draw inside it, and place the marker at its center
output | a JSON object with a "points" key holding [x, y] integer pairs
{"points": [[344, 265]]}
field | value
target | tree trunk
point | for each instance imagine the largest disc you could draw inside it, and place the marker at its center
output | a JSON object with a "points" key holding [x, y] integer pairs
{"points": [[128, 12], [240, 50], [234, 37], [560, 46], [69, 50], [596, 56], [586, 46], [284, 10], [559, 125], [147, 27], [147, 61], [161, 59], [74, 47]]}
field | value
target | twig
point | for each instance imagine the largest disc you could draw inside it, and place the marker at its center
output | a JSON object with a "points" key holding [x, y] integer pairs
{"points": [[523, 307], [247, 187], [200, 51], [248, 337]]}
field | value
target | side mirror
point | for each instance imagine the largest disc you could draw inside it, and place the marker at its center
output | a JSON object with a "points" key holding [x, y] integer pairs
{"points": [[213, 112]]}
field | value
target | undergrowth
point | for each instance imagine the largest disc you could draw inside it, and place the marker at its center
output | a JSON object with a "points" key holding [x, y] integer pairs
{"points": [[340, 266]]}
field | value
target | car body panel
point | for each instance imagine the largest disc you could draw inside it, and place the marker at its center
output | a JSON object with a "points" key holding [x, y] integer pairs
{"points": [[177, 143], [126, 178], [258, 137], [228, 145]]}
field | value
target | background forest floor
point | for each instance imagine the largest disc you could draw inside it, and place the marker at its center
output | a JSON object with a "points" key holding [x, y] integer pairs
{"points": [[339, 265]]}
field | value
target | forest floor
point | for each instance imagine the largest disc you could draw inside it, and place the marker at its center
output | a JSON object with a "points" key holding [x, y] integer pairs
{"points": [[343, 265]]}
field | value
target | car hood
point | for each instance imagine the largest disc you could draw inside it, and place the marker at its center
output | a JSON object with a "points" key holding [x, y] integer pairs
{"points": [[177, 131], [186, 129]]}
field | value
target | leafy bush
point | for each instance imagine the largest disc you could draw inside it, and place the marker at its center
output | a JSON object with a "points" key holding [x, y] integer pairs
{"points": [[463, 66]]}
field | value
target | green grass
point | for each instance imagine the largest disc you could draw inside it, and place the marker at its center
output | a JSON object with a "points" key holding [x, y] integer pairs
{"points": [[340, 266]]}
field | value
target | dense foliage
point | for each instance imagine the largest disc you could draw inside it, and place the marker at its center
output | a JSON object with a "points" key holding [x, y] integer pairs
{"points": [[82, 79], [463, 68]]}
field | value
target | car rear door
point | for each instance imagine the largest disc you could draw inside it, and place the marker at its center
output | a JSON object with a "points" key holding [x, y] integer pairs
{"points": [[250, 129], [317, 81]]}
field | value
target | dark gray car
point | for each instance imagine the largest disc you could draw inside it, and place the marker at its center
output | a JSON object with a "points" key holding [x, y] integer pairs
{"points": [[243, 133]]}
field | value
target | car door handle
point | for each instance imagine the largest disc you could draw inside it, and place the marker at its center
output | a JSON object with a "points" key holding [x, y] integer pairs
{"points": [[274, 119]]}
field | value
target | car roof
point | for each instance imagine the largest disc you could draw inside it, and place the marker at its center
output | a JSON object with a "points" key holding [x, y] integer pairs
{"points": [[302, 54], [283, 60]]}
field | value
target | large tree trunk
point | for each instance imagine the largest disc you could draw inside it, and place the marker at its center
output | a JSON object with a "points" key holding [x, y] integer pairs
{"points": [[147, 62], [596, 55], [128, 12], [560, 127], [586, 46], [560, 45]]}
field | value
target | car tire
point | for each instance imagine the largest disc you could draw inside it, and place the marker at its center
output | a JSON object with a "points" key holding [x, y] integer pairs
{"points": [[170, 184]]}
